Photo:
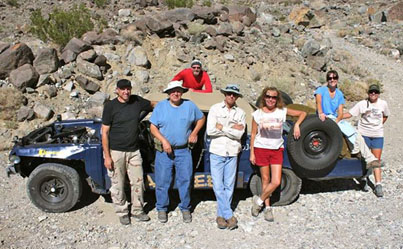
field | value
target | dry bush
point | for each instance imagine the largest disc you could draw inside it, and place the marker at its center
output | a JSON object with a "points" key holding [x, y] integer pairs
{"points": [[372, 81], [10, 102], [196, 28], [284, 84], [354, 91]]}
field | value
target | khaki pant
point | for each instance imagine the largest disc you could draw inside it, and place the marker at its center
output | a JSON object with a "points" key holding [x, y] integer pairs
{"points": [[129, 163], [361, 146]]}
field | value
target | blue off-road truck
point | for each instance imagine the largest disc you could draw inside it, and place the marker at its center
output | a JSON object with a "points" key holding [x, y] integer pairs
{"points": [[60, 157]]}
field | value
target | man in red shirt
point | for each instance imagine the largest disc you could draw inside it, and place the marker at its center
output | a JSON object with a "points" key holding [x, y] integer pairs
{"points": [[194, 78]]}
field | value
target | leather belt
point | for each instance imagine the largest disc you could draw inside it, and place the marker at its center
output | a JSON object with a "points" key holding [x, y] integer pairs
{"points": [[179, 147]]}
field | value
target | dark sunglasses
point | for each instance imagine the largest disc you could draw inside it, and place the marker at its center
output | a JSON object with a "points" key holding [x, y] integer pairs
{"points": [[333, 78], [229, 94], [373, 92], [270, 97], [196, 67]]}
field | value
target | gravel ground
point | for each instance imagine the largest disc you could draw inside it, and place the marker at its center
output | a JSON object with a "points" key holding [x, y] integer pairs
{"points": [[329, 214]]}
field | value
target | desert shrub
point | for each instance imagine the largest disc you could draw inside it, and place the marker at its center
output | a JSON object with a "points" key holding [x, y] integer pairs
{"points": [[101, 3], [372, 81], [353, 91], [13, 3], [10, 102], [283, 83], [9, 124], [207, 3], [179, 3], [196, 28], [61, 26]]}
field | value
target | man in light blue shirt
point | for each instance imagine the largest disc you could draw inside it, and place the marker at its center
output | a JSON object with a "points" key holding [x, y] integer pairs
{"points": [[171, 123]]}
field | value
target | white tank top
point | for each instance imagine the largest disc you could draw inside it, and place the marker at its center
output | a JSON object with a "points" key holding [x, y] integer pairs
{"points": [[269, 128]]}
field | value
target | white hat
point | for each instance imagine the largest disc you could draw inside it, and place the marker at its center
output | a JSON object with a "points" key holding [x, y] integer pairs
{"points": [[175, 84]]}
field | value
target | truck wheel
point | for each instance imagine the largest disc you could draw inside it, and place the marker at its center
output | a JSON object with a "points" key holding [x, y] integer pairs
{"points": [[288, 190], [54, 187], [285, 194], [255, 185], [316, 152]]}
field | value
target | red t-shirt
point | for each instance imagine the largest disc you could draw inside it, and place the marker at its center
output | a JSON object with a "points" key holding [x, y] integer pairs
{"points": [[194, 83]]}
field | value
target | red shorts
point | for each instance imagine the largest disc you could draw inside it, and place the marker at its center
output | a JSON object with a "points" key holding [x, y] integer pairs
{"points": [[266, 157]]}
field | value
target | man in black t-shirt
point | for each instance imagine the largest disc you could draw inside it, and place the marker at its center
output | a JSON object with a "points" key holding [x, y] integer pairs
{"points": [[122, 156]]}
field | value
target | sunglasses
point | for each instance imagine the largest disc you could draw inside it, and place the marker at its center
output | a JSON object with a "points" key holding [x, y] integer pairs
{"points": [[196, 67], [233, 94], [333, 78], [270, 97], [373, 92]]}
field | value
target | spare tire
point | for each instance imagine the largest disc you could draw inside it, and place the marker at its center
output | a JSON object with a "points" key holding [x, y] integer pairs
{"points": [[286, 99], [285, 194], [316, 152]]}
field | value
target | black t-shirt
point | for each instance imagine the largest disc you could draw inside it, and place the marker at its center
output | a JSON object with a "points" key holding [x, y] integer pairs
{"points": [[123, 119]]}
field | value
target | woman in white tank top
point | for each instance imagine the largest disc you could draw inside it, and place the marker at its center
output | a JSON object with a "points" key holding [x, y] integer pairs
{"points": [[267, 144]]}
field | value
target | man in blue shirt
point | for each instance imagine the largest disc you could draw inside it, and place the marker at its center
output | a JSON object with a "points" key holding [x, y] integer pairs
{"points": [[171, 123]]}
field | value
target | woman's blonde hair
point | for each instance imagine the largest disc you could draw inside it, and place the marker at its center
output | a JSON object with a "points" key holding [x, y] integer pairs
{"points": [[279, 102]]}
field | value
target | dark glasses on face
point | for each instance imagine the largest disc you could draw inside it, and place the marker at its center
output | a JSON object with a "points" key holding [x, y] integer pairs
{"points": [[196, 67], [373, 92], [270, 97], [233, 94], [333, 78]]}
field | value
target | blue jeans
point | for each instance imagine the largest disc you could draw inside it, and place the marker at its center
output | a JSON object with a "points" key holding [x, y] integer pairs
{"points": [[163, 178], [223, 172]]}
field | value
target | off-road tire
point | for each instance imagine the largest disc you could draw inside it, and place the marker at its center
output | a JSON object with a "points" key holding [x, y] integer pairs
{"points": [[54, 188], [289, 189], [316, 152], [285, 194]]}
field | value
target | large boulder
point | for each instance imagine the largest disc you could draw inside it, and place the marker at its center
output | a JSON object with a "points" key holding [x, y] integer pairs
{"points": [[87, 85], [310, 47], [89, 69], [207, 14], [4, 46], [77, 46], [43, 111], [396, 12], [179, 15], [138, 57], [24, 76], [238, 13], [46, 61], [161, 27], [14, 57], [306, 17]]}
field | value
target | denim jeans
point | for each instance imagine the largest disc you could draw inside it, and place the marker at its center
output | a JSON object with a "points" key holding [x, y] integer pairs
{"points": [[163, 178], [223, 172]]}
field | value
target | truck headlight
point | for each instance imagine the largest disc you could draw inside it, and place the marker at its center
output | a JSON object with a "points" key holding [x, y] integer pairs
{"points": [[15, 159]]}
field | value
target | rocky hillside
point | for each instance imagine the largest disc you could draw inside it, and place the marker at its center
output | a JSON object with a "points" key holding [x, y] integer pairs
{"points": [[283, 43]]}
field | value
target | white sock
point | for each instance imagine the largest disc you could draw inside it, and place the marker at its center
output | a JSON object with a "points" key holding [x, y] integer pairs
{"points": [[378, 183], [267, 208], [259, 202]]}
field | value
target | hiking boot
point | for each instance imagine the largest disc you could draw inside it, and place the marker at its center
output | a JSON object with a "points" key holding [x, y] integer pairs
{"points": [[187, 216], [378, 190], [141, 217], [124, 220], [268, 214], [162, 216], [374, 164], [232, 223], [221, 222], [255, 207]]}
